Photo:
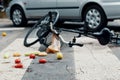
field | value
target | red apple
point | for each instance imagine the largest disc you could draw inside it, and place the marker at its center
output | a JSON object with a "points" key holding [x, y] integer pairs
{"points": [[17, 61], [42, 61], [19, 65], [32, 56]]}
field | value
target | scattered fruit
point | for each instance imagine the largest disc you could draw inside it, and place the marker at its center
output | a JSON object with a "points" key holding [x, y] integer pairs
{"points": [[42, 61], [27, 54], [36, 53], [6, 56], [32, 56], [17, 61], [59, 55], [51, 50], [16, 54], [18, 65], [42, 54], [4, 34]]}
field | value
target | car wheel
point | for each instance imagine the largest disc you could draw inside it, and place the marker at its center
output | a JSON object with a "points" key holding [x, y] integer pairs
{"points": [[18, 17], [95, 18]]}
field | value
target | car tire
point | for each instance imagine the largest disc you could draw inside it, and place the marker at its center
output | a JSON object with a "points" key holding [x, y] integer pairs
{"points": [[94, 18], [18, 16]]}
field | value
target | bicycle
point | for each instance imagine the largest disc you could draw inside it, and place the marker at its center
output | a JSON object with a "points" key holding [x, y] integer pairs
{"points": [[46, 25]]}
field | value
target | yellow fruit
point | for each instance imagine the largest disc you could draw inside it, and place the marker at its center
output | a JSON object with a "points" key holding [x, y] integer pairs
{"points": [[42, 54], [27, 54], [59, 55], [6, 56], [36, 53], [16, 54], [4, 34]]}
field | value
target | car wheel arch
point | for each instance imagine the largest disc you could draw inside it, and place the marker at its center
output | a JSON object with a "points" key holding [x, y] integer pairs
{"points": [[16, 5], [18, 22], [86, 6]]}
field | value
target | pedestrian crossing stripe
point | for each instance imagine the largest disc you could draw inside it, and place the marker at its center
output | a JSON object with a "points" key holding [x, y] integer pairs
{"points": [[11, 29], [92, 62]]}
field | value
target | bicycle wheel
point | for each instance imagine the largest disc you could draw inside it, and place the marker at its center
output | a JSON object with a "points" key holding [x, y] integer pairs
{"points": [[40, 30]]}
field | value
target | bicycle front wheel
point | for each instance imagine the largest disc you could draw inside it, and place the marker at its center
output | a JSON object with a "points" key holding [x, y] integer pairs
{"points": [[40, 30]]}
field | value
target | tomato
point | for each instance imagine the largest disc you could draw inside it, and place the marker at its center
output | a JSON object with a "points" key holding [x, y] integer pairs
{"points": [[17, 61], [32, 56], [42, 61], [19, 65]]}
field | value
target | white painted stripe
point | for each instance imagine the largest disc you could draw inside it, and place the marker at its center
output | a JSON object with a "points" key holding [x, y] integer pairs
{"points": [[11, 29], [7, 72], [96, 62], [92, 61]]}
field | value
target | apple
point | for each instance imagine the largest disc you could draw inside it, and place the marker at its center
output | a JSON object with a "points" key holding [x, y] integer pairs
{"points": [[32, 56], [19, 65], [42, 61], [17, 61], [59, 55]]}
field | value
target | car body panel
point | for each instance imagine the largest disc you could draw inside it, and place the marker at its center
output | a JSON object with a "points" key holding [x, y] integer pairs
{"points": [[39, 7], [68, 9], [111, 8]]}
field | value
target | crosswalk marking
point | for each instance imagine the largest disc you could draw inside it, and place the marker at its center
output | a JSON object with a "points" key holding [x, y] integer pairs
{"points": [[11, 29], [96, 62], [92, 61], [6, 70]]}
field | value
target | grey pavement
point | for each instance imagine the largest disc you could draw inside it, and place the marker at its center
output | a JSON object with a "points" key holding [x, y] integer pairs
{"points": [[90, 62]]}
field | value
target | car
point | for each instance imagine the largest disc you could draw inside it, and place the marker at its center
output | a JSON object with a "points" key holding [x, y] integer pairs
{"points": [[1, 6], [94, 13]]}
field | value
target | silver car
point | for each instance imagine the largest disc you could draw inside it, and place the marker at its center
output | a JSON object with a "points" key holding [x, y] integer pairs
{"points": [[95, 13]]}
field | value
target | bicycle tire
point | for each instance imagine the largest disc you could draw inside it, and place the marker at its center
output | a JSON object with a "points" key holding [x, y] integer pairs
{"points": [[43, 21]]}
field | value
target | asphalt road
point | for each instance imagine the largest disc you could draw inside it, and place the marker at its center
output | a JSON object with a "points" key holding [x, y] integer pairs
{"points": [[64, 70]]}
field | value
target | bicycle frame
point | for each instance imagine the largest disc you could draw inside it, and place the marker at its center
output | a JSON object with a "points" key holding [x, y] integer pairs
{"points": [[46, 26], [104, 36]]}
